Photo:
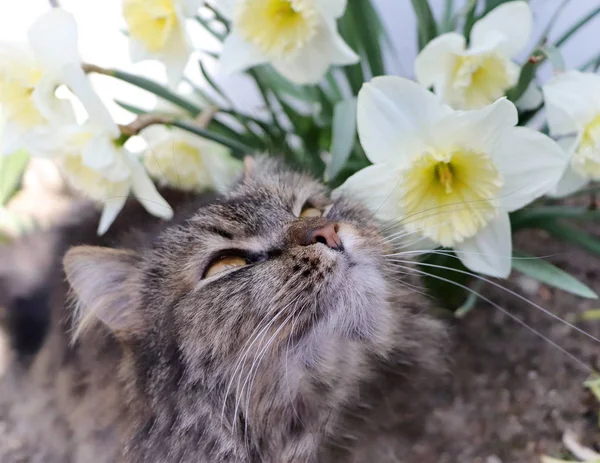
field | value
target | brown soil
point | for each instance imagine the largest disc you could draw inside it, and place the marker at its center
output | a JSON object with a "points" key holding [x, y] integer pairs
{"points": [[512, 394]]}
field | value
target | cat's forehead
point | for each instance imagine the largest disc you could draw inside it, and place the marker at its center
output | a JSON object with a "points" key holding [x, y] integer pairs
{"points": [[259, 207]]}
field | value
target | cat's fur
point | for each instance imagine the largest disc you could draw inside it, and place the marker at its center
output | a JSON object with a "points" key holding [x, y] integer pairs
{"points": [[311, 354]]}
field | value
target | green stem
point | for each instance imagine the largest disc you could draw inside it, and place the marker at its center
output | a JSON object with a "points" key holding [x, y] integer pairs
{"points": [[582, 22]]}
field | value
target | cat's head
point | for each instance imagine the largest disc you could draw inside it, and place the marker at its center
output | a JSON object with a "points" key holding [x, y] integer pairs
{"points": [[274, 268]]}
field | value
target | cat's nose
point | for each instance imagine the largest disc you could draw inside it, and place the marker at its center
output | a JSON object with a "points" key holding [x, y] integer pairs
{"points": [[305, 232], [328, 235]]}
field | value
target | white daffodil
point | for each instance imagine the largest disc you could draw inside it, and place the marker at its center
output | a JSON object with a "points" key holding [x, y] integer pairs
{"points": [[471, 78], [298, 37], [29, 76], [179, 159], [95, 165], [573, 109], [157, 30], [450, 176]]}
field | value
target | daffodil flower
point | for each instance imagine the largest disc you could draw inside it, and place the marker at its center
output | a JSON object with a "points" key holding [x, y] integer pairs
{"points": [[298, 37], [573, 110], [157, 30], [29, 76], [450, 177], [96, 166], [179, 159], [471, 78]]}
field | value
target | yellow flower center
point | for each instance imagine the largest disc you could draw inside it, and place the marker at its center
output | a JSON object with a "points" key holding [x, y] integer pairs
{"points": [[448, 197], [478, 80], [178, 164], [586, 160], [277, 27], [16, 99], [89, 181], [151, 22]]}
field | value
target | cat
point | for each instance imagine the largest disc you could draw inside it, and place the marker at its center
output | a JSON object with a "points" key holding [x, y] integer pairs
{"points": [[264, 325]]}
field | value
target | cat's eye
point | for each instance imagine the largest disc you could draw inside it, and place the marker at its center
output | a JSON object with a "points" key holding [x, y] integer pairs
{"points": [[224, 264], [310, 211]]}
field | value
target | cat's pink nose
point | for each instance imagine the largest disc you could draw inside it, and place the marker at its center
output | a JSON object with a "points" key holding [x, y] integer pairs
{"points": [[328, 235]]}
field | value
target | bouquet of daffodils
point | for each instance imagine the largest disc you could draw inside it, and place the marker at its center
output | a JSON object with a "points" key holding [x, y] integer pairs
{"points": [[443, 157]]}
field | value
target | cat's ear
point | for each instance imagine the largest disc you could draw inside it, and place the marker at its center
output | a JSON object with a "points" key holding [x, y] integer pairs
{"points": [[249, 167], [104, 283]]}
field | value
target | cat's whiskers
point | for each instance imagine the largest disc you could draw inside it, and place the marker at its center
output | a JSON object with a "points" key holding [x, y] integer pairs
{"points": [[583, 365], [251, 340]]}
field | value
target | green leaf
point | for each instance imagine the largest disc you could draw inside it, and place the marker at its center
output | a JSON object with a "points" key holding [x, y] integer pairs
{"points": [[131, 108], [369, 34], [427, 26], [444, 265], [491, 4], [532, 216], [571, 235], [343, 136], [11, 171], [273, 80], [348, 29], [526, 76], [578, 25], [157, 89], [551, 275], [470, 18], [239, 149]]}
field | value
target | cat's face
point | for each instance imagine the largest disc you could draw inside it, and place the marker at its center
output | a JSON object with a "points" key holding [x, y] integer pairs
{"points": [[275, 266]]}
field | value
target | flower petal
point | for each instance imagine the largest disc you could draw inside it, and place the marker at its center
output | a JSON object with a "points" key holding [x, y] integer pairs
{"points": [[392, 114], [55, 110], [331, 9], [489, 251], [434, 63], [74, 77], [238, 54], [569, 183], [475, 129], [145, 191], [512, 21], [112, 207], [53, 39], [572, 100], [343, 54], [175, 57], [375, 187], [531, 164]]}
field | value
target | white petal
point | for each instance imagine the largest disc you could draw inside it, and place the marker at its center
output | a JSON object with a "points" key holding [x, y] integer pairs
{"points": [[238, 54], [512, 21], [434, 63], [137, 51], [222, 168], [375, 187], [112, 207], [12, 138], [475, 129], [392, 114], [490, 251], [331, 9], [74, 77], [342, 55], [145, 191], [531, 164], [53, 39], [572, 100], [175, 57], [99, 153], [55, 110], [569, 183], [531, 99]]}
